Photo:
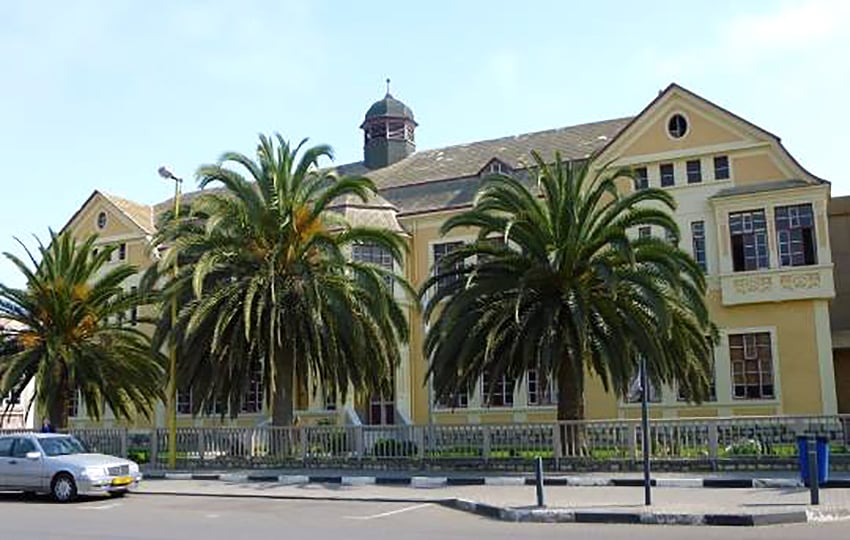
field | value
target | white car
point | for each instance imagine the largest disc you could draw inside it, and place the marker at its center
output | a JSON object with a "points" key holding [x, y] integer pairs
{"points": [[60, 466]]}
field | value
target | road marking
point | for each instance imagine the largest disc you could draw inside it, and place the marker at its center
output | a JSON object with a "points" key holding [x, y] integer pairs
{"points": [[212, 516], [390, 513], [101, 507]]}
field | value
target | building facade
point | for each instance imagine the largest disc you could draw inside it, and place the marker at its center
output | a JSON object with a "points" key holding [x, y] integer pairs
{"points": [[751, 215], [839, 234], [16, 411]]}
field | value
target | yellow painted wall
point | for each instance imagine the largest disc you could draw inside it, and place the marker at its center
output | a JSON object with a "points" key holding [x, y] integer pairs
{"points": [[755, 168], [796, 347], [702, 131], [86, 223]]}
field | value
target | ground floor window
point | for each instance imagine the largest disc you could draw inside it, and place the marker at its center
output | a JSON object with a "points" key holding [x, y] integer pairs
{"points": [[252, 401], [73, 404], [184, 401], [540, 388], [751, 359], [498, 393]]}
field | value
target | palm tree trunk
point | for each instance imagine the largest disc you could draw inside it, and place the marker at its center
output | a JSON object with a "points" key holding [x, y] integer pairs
{"points": [[571, 408], [57, 413], [283, 399]]}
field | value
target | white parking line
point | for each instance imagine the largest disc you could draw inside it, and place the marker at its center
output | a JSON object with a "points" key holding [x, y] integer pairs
{"points": [[390, 513], [101, 507]]}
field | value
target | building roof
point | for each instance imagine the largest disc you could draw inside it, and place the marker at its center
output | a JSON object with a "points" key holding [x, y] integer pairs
{"points": [[466, 160], [762, 187], [140, 214], [388, 107], [448, 177]]}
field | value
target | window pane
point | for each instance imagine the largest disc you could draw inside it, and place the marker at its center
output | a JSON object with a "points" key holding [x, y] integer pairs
{"points": [[541, 390], [252, 401], [795, 235], [376, 255], [698, 243], [667, 175], [748, 231], [499, 393], [6, 447], [752, 365], [440, 251], [641, 178], [694, 168], [721, 167]]}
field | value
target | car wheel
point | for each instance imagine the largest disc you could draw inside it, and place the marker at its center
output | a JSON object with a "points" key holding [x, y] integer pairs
{"points": [[63, 488]]}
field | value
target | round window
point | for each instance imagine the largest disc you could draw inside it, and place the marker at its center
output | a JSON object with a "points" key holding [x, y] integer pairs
{"points": [[101, 220], [677, 126]]}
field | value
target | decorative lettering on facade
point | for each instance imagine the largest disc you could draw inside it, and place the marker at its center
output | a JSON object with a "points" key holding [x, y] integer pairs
{"points": [[806, 280], [755, 284]]}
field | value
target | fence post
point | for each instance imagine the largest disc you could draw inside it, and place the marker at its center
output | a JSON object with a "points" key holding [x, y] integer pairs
{"points": [[124, 443], [485, 436], [154, 448], [556, 441], [633, 436], [359, 444], [420, 441], [712, 444], [304, 443], [201, 445]]}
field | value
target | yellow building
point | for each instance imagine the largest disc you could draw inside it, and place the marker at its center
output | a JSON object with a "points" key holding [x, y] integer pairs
{"points": [[749, 212], [839, 236]]}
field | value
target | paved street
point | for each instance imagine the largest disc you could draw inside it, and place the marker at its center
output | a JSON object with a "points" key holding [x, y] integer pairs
{"points": [[667, 499], [157, 517]]}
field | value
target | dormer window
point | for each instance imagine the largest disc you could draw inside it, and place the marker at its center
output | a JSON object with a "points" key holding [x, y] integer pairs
{"points": [[495, 166]]}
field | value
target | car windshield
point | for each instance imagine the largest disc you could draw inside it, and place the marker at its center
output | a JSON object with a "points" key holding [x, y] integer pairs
{"points": [[61, 446]]}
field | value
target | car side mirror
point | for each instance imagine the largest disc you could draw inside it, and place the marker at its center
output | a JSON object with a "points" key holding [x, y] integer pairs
{"points": [[33, 455]]}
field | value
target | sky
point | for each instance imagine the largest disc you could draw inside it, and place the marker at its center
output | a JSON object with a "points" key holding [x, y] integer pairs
{"points": [[98, 95]]}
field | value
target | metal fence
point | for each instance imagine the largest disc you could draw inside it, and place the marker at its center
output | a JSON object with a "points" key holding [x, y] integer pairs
{"points": [[766, 442]]}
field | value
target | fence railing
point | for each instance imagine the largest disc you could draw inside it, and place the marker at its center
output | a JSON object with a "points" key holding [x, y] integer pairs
{"points": [[710, 443]]}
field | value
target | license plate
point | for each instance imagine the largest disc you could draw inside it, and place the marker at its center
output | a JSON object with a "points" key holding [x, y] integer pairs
{"points": [[122, 481]]}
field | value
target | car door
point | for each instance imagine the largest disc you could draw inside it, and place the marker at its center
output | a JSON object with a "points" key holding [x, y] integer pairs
{"points": [[5, 456], [25, 473]]}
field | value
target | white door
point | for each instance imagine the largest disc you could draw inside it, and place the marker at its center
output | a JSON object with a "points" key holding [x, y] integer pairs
{"points": [[25, 473]]}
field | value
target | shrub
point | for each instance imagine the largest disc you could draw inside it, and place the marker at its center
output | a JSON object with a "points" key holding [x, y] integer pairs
{"points": [[745, 447], [394, 448], [140, 456]]}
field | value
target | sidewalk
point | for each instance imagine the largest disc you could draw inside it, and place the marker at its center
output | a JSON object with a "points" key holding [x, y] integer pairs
{"points": [[672, 505], [741, 479]]}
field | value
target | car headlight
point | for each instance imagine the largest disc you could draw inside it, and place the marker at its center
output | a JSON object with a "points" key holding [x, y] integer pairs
{"points": [[95, 472]]}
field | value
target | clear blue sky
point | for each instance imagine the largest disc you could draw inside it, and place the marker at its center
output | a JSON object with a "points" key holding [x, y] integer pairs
{"points": [[97, 94]]}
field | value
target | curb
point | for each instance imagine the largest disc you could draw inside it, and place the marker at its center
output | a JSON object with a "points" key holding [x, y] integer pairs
{"points": [[427, 482], [557, 515]]}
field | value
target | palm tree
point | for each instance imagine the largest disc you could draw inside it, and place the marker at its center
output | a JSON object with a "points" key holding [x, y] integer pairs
{"points": [[267, 282], [71, 336], [555, 282]]}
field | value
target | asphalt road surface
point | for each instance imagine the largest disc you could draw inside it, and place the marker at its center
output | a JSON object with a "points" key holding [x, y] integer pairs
{"points": [[158, 517]]}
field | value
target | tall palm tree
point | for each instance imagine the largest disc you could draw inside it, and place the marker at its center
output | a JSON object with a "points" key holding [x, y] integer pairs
{"points": [[267, 281], [557, 281], [71, 334]]}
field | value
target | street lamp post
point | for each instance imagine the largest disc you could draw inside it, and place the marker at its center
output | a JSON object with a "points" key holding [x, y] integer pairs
{"points": [[171, 398], [644, 427]]}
